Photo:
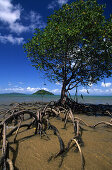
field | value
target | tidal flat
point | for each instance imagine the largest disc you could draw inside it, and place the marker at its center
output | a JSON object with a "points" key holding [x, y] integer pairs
{"points": [[31, 151]]}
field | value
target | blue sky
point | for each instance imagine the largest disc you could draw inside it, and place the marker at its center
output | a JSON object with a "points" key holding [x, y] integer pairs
{"points": [[18, 19]]}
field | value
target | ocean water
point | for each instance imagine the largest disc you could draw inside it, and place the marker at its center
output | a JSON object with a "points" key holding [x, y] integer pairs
{"points": [[8, 99]]}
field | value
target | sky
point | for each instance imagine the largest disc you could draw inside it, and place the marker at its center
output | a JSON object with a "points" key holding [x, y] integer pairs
{"points": [[18, 19]]}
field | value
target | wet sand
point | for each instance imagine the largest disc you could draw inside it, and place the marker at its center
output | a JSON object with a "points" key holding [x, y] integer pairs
{"points": [[32, 152]]}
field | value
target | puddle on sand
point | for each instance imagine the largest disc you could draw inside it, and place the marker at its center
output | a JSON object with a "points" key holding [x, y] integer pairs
{"points": [[32, 153]]}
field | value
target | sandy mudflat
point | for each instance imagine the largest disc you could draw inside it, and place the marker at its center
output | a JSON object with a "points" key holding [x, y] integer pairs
{"points": [[32, 152]]}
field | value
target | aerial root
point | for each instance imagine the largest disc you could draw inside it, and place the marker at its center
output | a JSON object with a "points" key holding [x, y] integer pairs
{"points": [[56, 132], [109, 113], [81, 154], [102, 122], [81, 121], [10, 164], [62, 146], [17, 131], [41, 123], [18, 114]]}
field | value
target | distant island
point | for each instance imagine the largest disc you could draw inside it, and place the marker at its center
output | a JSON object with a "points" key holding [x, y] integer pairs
{"points": [[13, 94], [39, 92], [43, 92]]}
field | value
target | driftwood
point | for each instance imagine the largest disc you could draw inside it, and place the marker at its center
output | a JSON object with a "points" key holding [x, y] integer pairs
{"points": [[41, 122]]}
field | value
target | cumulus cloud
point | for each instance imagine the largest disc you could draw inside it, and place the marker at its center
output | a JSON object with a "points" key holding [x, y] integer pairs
{"points": [[56, 3], [52, 5], [32, 89], [96, 91], [18, 28], [26, 90], [61, 2], [9, 13], [83, 90], [12, 16], [105, 84], [20, 89], [14, 89], [9, 38], [36, 21], [56, 91]]}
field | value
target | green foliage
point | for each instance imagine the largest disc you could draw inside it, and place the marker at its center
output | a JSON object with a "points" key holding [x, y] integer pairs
{"points": [[76, 45], [43, 92]]}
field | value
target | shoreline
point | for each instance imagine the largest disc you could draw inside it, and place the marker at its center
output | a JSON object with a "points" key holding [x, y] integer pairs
{"points": [[80, 108], [7, 99]]}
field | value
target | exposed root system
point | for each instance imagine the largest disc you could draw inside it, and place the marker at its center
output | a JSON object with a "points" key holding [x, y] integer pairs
{"points": [[40, 121]]}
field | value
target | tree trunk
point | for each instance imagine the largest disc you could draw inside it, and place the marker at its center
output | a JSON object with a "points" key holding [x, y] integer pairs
{"points": [[63, 90], [63, 93]]}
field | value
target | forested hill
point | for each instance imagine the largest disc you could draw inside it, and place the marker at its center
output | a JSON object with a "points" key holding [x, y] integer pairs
{"points": [[43, 92]]}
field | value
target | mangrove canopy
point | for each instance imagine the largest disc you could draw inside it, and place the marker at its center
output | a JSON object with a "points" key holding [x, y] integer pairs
{"points": [[75, 47]]}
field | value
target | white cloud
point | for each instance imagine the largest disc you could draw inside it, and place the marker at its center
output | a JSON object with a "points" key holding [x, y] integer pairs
{"points": [[14, 89], [52, 5], [35, 21], [45, 89], [32, 89], [18, 28], [9, 38], [56, 3], [96, 91], [20, 89], [107, 91], [11, 15], [28, 89], [83, 90], [105, 84], [61, 2], [56, 91]]}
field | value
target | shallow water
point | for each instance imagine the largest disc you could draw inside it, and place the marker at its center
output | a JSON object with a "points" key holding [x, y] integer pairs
{"points": [[8, 99], [32, 152]]}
